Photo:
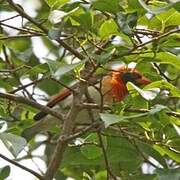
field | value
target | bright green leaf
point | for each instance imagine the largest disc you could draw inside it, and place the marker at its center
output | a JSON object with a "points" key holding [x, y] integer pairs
{"points": [[108, 28], [163, 58], [166, 151], [52, 3]]}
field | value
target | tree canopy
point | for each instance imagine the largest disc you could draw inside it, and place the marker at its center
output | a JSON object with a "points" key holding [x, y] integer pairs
{"points": [[137, 138]]}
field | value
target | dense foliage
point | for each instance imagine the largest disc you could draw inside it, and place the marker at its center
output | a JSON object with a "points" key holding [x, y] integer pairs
{"points": [[140, 137]]}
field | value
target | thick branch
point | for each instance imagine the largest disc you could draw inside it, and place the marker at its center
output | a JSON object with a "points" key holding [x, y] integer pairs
{"points": [[62, 143]]}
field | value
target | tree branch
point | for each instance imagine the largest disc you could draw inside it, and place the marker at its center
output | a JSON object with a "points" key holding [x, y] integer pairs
{"points": [[22, 167], [23, 100], [96, 106], [62, 143], [40, 26]]}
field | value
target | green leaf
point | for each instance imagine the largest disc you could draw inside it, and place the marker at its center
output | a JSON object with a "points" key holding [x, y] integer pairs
{"points": [[177, 6], [155, 10], [165, 151], [150, 151], [59, 3], [15, 144], [157, 108], [163, 58], [57, 69], [171, 41], [38, 69], [104, 57], [106, 5], [56, 16], [108, 28], [168, 174], [165, 85], [122, 154], [134, 5], [148, 94], [110, 119], [4, 172], [91, 150], [85, 20], [56, 3], [74, 157], [126, 22], [173, 20]]}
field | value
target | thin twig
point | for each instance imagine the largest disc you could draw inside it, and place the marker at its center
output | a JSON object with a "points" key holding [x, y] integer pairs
{"points": [[158, 38], [7, 19], [20, 36], [26, 85], [108, 167], [39, 25], [133, 110], [161, 72], [32, 103], [21, 30], [22, 167]]}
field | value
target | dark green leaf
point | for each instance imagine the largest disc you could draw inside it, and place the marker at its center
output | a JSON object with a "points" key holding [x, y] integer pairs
{"points": [[4, 172], [168, 174], [106, 5], [148, 150], [126, 22]]}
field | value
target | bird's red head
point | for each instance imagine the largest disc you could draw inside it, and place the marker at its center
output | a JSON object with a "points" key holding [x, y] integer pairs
{"points": [[131, 75], [119, 78]]}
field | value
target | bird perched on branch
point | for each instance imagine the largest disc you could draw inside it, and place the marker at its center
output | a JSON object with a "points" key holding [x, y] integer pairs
{"points": [[112, 88]]}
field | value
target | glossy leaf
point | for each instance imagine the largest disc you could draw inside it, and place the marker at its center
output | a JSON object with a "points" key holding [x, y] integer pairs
{"points": [[148, 94], [15, 144]]}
